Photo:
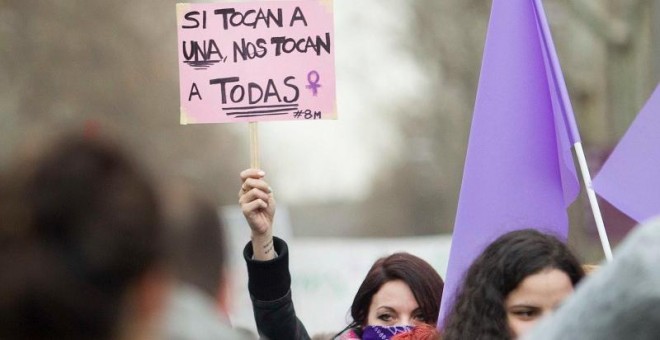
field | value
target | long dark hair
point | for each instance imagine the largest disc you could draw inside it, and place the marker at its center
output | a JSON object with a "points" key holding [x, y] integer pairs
{"points": [[424, 282], [478, 312]]}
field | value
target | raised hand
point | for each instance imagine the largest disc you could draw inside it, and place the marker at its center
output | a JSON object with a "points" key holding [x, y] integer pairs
{"points": [[258, 206]]}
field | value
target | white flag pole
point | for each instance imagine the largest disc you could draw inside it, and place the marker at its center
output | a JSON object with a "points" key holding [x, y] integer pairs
{"points": [[572, 126], [595, 208]]}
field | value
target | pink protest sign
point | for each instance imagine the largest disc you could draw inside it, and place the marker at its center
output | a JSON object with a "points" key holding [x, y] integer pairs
{"points": [[256, 61]]}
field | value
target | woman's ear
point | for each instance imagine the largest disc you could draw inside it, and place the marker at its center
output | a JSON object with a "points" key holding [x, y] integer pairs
{"points": [[223, 299], [144, 304], [152, 292]]}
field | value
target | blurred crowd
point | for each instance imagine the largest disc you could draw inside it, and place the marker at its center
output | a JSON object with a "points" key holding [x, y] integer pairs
{"points": [[93, 247]]}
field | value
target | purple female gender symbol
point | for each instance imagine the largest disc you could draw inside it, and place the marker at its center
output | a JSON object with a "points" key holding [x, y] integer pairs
{"points": [[313, 84]]}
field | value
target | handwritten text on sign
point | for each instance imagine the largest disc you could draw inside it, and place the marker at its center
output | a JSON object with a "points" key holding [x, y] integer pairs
{"points": [[256, 61]]}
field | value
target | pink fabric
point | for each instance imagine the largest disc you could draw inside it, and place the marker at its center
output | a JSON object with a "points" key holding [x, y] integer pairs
{"points": [[349, 335]]}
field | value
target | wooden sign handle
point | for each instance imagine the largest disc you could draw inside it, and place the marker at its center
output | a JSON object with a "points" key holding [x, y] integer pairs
{"points": [[254, 145]]}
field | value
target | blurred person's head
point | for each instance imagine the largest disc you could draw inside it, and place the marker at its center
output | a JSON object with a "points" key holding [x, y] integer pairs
{"points": [[197, 242], [521, 277], [399, 290], [81, 245]]}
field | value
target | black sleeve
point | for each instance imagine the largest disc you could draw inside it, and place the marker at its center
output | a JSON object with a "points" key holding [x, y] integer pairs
{"points": [[269, 283]]}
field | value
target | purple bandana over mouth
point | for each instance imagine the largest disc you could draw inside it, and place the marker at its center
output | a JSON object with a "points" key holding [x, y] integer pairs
{"points": [[383, 332]]}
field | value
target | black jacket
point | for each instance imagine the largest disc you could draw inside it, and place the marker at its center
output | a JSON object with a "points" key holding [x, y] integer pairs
{"points": [[269, 283]]}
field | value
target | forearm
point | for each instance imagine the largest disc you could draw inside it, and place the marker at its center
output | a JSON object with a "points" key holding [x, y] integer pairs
{"points": [[269, 283], [277, 319], [262, 246], [268, 280]]}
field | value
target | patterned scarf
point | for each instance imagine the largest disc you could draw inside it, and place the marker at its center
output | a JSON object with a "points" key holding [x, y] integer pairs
{"points": [[376, 333]]}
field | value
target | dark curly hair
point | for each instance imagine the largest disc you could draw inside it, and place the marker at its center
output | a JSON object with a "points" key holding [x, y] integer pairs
{"points": [[424, 282], [478, 312]]}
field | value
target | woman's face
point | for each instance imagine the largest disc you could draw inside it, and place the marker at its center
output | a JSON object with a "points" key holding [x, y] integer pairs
{"points": [[535, 297], [394, 305]]}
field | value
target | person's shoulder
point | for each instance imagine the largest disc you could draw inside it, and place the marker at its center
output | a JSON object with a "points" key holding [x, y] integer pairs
{"points": [[648, 231], [640, 249], [191, 315]]}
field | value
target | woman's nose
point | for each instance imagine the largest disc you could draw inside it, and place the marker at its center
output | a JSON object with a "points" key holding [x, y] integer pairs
{"points": [[405, 321]]}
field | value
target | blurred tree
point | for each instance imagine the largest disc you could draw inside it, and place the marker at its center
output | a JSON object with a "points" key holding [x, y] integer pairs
{"points": [[624, 30], [420, 194], [108, 67], [624, 27], [607, 77]]}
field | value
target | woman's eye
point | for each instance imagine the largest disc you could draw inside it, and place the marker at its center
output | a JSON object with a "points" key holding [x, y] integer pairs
{"points": [[419, 317], [526, 314], [385, 317]]}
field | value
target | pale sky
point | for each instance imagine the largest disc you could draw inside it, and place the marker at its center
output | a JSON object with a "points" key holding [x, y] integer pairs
{"points": [[335, 160]]}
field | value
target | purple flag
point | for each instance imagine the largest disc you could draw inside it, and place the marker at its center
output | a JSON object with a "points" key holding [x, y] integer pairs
{"points": [[518, 171], [629, 179]]}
